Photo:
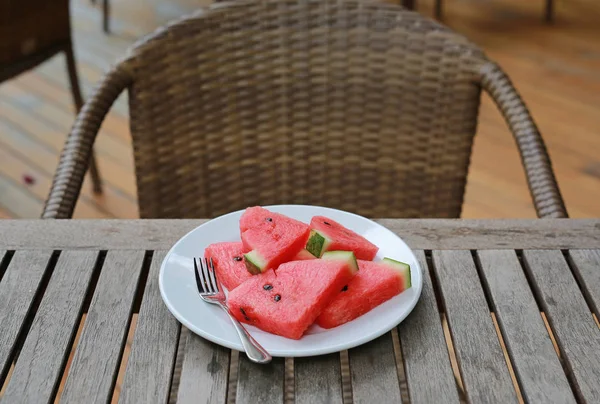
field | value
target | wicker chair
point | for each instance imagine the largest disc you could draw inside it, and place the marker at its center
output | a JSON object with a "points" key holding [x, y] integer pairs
{"points": [[356, 105], [105, 15], [32, 32]]}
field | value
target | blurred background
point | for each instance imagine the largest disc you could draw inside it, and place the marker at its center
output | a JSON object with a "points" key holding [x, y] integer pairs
{"points": [[555, 66]]}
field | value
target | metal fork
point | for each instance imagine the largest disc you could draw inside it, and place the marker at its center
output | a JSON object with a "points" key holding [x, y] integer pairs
{"points": [[208, 287]]}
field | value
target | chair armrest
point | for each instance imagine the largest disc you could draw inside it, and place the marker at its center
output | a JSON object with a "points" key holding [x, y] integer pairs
{"points": [[75, 157], [536, 161]]}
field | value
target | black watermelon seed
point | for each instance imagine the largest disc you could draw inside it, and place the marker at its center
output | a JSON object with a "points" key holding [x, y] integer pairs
{"points": [[236, 258], [345, 288], [277, 298], [246, 318], [269, 219], [243, 312], [268, 287], [327, 223]]}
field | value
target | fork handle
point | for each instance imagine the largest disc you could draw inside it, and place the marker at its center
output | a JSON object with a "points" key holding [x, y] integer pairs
{"points": [[254, 351]]}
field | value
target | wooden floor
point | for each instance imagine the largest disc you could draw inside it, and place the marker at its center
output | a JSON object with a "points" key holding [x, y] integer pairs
{"points": [[555, 67]]}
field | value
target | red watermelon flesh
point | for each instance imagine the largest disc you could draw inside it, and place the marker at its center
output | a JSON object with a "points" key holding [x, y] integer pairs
{"points": [[374, 284], [270, 238], [288, 301], [329, 235], [228, 259]]}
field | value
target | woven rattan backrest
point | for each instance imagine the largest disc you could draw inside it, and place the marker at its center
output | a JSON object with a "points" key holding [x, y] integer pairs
{"points": [[360, 106]]}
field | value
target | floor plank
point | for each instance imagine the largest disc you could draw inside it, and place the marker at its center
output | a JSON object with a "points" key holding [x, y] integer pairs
{"points": [[18, 172], [39, 158], [556, 68]]}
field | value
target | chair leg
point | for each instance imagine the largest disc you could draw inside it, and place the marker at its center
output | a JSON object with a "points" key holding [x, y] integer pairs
{"points": [[78, 99], [438, 9], [409, 4], [95, 173], [549, 11], [106, 16]]}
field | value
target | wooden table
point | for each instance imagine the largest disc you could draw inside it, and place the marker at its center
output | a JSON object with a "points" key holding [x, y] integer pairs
{"points": [[479, 274]]}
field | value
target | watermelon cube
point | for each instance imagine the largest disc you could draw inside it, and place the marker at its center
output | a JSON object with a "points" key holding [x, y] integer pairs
{"points": [[228, 259], [288, 301], [328, 235], [374, 284], [270, 238]]}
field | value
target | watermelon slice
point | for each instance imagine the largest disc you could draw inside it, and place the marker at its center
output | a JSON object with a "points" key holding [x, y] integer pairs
{"points": [[271, 238], [288, 301], [228, 259], [329, 235], [375, 283]]}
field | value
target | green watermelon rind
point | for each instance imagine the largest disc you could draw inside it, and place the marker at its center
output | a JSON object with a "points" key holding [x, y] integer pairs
{"points": [[317, 243], [343, 256], [402, 268], [255, 263]]}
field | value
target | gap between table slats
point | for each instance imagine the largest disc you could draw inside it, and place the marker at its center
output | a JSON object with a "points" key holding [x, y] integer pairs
{"points": [[132, 326], [96, 362], [400, 366], [585, 264], [74, 345], [570, 318], [447, 336], [426, 356], [535, 363], [40, 364], [5, 257], [124, 359], [22, 281], [149, 370], [482, 364]]}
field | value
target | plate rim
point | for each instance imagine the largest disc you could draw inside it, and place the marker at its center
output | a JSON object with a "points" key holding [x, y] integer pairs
{"points": [[289, 353]]}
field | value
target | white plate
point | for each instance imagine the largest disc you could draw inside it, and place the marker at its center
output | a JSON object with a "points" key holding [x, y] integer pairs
{"points": [[178, 288]]}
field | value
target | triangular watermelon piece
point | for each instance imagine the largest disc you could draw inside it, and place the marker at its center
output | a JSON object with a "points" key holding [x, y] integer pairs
{"points": [[270, 238], [374, 284], [328, 235], [228, 259], [288, 301]]}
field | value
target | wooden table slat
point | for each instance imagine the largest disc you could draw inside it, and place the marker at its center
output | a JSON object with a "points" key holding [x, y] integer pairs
{"points": [[152, 358], [260, 383], [535, 362], [426, 358], [483, 368], [38, 369], [96, 362], [374, 373], [424, 234], [204, 372], [318, 379], [18, 289], [575, 330], [586, 264]]}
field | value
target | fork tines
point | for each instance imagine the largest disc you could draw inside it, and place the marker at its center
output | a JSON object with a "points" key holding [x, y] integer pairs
{"points": [[206, 278]]}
